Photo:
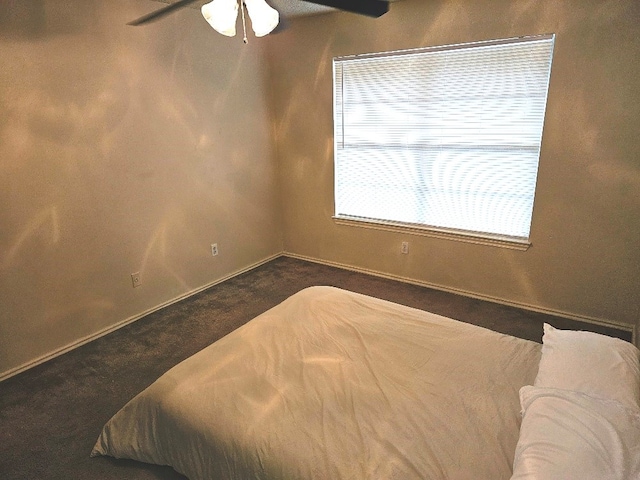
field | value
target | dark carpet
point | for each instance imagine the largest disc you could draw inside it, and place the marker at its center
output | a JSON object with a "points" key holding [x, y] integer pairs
{"points": [[51, 415]]}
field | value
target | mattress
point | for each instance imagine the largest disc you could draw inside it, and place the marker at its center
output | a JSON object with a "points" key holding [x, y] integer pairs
{"points": [[331, 384]]}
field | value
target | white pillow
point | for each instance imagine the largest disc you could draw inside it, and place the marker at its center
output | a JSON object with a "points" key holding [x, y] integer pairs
{"points": [[590, 363], [572, 436]]}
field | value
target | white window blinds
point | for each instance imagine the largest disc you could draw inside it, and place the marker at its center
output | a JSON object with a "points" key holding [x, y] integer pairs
{"points": [[446, 137]]}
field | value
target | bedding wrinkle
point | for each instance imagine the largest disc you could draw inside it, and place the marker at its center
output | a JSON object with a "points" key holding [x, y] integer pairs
{"points": [[366, 357]]}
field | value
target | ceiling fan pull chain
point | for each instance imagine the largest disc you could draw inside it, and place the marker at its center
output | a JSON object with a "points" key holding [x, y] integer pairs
{"points": [[244, 25]]}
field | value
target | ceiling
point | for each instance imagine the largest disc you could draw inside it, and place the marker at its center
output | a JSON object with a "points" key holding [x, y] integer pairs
{"points": [[287, 8]]}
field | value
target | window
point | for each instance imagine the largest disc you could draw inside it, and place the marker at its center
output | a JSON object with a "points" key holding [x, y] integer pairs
{"points": [[443, 139]]}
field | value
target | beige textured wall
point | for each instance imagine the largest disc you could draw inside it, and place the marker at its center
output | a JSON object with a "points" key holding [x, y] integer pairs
{"points": [[585, 259], [132, 149], [123, 149]]}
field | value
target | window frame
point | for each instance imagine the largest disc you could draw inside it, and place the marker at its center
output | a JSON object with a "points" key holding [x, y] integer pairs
{"points": [[477, 237]]}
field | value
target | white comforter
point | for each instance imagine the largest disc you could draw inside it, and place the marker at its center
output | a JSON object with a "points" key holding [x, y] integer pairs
{"points": [[335, 385]]}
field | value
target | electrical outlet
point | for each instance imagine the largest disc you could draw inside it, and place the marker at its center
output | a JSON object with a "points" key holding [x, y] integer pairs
{"points": [[404, 248], [135, 279], [214, 249]]}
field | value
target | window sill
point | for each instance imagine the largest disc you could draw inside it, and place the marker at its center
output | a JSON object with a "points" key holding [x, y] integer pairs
{"points": [[455, 235]]}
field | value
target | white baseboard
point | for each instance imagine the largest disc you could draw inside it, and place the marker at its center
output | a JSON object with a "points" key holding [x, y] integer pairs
{"points": [[534, 308], [127, 321]]}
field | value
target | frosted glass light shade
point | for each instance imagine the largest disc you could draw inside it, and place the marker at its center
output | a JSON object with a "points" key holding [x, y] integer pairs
{"points": [[221, 15], [263, 18]]}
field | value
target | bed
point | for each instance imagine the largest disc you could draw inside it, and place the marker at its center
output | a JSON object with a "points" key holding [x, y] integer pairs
{"points": [[331, 384]]}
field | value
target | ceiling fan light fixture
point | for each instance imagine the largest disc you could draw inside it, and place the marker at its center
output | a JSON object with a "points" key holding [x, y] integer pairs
{"points": [[263, 17], [221, 15]]}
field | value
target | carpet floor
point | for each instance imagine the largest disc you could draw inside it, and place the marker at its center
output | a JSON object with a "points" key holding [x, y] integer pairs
{"points": [[51, 415]]}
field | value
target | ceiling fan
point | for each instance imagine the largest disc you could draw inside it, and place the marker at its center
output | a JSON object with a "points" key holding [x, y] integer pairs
{"points": [[371, 8]]}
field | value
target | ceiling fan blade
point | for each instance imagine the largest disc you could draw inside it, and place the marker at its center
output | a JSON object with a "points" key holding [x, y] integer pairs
{"points": [[371, 8], [157, 14]]}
